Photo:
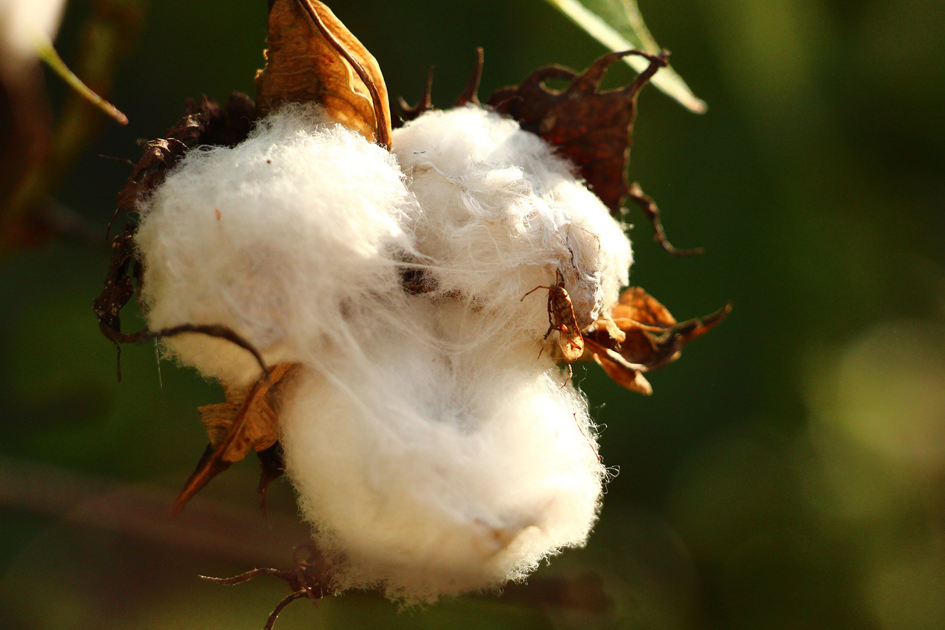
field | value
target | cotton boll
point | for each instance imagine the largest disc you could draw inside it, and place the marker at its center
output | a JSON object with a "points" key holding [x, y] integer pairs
{"points": [[432, 448], [276, 238], [429, 472], [499, 213], [444, 454]]}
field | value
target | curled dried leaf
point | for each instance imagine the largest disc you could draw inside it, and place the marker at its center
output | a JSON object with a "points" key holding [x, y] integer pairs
{"points": [[591, 128], [619, 370], [639, 309], [247, 421], [641, 335], [260, 430], [314, 58], [272, 467]]}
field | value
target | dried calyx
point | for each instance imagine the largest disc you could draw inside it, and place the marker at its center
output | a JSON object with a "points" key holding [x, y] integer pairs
{"points": [[385, 295], [313, 58], [591, 128]]}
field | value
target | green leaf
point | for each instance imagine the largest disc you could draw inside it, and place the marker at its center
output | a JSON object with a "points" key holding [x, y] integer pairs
{"points": [[618, 25], [48, 54]]}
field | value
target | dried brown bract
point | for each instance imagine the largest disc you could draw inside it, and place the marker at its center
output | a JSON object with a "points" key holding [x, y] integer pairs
{"points": [[591, 128], [119, 288], [313, 57], [247, 421], [469, 96], [619, 370], [204, 123], [641, 335], [425, 104]]}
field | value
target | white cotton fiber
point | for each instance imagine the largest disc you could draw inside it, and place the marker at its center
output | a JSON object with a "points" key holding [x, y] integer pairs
{"points": [[427, 472], [275, 238], [433, 448], [499, 213], [443, 454]]}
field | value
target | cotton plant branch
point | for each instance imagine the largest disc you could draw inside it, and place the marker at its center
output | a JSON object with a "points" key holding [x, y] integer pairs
{"points": [[215, 529], [220, 530], [310, 577]]}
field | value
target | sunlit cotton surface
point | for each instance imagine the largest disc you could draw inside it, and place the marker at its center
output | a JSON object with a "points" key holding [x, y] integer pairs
{"points": [[434, 444]]}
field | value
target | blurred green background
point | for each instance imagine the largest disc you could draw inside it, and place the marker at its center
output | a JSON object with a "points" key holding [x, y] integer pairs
{"points": [[788, 472]]}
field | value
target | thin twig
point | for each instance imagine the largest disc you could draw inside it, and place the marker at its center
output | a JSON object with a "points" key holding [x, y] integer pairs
{"points": [[280, 606], [211, 330], [652, 212], [243, 577]]}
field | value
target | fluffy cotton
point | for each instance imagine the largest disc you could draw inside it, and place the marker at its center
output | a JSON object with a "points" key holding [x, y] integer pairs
{"points": [[432, 447], [449, 456], [500, 213], [275, 238], [427, 472]]}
